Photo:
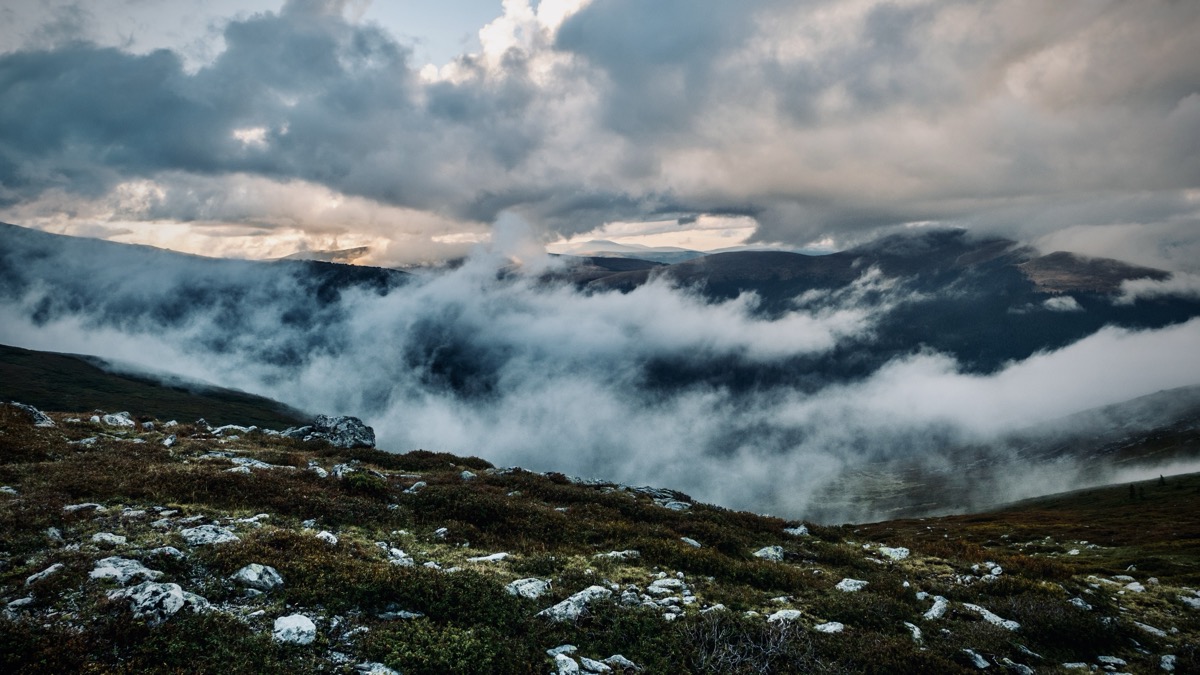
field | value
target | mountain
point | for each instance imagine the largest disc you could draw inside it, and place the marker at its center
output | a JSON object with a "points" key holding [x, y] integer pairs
{"points": [[171, 549], [611, 249], [345, 255]]}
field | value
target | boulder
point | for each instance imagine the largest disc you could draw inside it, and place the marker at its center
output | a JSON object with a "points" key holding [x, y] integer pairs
{"points": [[850, 585], [122, 570], [121, 419], [258, 577], [773, 553], [899, 553], [829, 627], [328, 537], [784, 615], [39, 418], [295, 629], [340, 432], [108, 538], [531, 588], [207, 534], [48, 572], [158, 602], [573, 607]]}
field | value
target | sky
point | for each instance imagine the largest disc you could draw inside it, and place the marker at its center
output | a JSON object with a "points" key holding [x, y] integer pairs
{"points": [[258, 129]]}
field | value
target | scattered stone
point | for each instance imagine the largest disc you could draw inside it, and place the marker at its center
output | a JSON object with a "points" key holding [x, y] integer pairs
{"points": [[393, 614], [1073, 551], [258, 577], [39, 418], [1111, 661], [674, 505], [120, 419], [690, 542], [594, 666], [342, 470], [133, 513], [158, 602], [618, 661], [784, 615], [899, 553], [54, 535], [1194, 603], [565, 665], [1081, 604], [940, 605], [574, 606], [1019, 668], [441, 532], [327, 537], [467, 475], [373, 668], [798, 531], [1075, 665], [495, 557], [1167, 663], [396, 556], [991, 618], [561, 649], [204, 535], [1135, 587], [976, 660], [161, 523], [532, 588], [620, 555], [1156, 632], [914, 630], [86, 442], [72, 508], [415, 488], [108, 538], [169, 551], [829, 627], [295, 629], [666, 586], [238, 469], [20, 602], [850, 585], [48, 572], [8, 490], [772, 553], [123, 570]]}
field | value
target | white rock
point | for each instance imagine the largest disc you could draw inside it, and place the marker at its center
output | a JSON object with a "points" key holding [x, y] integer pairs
{"points": [[48, 572], [8, 490], [108, 538], [829, 627], [1073, 551], [940, 605], [715, 608], [574, 606], [39, 418], [295, 629], [467, 475], [798, 531], [561, 649], [979, 662], [373, 668], [1156, 632], [690, 542], [850, 585], [1081, 604], [531, 588], [1075, 665], [204, 535], [169, 551], [120, 419], [1167, 663], [772, 553], [416, 487], [20, 602], [258, 577], [618, 661], [495, 557], [54, 534], [899, 553], [991, 618], [620, 555], [594, 666], [158, 602], [914, 631], [1135, 587], [72, 508], [169, 441], [161, 523], [1111, 661], [784, 615], [327, 537], [565, 665], [122, 570], [1194, 603]]}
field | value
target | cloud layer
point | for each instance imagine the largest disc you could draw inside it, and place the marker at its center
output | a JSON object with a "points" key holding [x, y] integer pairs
{"points": [[819, 119], [483, 360]]}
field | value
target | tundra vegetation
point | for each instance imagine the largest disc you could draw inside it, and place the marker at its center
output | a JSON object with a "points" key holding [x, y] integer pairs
{"points": [[159, 547]]}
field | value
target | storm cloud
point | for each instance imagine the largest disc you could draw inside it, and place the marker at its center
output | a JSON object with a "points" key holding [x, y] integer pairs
{"points": [[824, 121]]}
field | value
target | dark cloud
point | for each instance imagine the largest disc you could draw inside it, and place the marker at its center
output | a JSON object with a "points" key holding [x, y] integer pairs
{"points": [[823, 120]]}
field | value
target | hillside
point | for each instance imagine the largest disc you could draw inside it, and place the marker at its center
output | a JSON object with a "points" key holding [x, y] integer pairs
{"points": [[431, 563], [69, 382]]}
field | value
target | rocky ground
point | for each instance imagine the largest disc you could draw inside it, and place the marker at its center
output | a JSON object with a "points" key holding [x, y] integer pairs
{"points": [[140, 545]]}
